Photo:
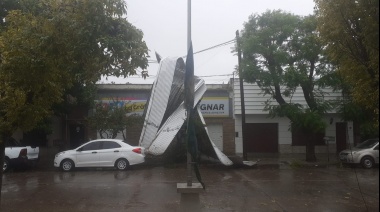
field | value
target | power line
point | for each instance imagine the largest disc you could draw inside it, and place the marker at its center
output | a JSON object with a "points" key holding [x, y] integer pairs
{"points": [[213, 47], [203, 50]]}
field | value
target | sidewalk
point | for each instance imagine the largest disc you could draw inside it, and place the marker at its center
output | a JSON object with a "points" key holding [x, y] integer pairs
{"points": [[288, 158], [291, 159]]}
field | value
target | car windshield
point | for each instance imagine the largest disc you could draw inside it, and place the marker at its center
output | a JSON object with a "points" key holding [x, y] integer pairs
{"points": [[367, 144]]}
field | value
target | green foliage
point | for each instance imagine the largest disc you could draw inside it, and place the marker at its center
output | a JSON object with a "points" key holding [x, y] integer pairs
{"points": [[5, 7], [364, 117], [350, 30], [77, 95], [55, 50], [282, 52]]}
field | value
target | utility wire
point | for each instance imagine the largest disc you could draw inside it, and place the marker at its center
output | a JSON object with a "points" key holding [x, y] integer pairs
{"points": [[209, 48], [213, 47]]}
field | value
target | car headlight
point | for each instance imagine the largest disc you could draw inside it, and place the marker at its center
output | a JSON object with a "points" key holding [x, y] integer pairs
{"points": [[59, 154]]}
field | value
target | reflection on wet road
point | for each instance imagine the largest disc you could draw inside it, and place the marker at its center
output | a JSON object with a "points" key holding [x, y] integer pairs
{"points": [[153, 188]]}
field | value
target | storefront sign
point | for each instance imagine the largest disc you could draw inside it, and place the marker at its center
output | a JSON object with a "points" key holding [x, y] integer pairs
{"points": [[214, 106], [210, 106], [133, 106]]}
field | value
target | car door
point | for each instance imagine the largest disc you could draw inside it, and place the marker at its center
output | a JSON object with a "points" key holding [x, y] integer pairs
{"points": [[109, 152], [87, 155]]}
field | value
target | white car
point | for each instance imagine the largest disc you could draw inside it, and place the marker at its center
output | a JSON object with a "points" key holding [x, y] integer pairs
{"points": [[365, 153], [101, 153]]}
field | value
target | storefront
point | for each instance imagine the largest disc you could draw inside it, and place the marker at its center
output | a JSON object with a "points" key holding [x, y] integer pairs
{"points": [[215, 107]]}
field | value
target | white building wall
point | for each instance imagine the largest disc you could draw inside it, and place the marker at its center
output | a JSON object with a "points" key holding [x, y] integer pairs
{"points": [[254, 110], [255, 100]]}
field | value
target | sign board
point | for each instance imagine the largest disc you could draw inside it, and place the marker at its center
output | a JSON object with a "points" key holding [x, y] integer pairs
{"points": [[215, 107], [210, 106], [133, 105]]}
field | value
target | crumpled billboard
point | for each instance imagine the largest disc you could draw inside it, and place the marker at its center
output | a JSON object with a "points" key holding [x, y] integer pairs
{"points": [[165, 112]]}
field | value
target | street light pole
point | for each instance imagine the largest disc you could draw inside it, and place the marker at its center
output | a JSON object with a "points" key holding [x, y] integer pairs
{"points": [[191, 102]]}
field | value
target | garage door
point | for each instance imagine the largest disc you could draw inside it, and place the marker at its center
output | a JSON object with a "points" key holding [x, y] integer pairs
{"points": [[216, 134], [262, 137]]}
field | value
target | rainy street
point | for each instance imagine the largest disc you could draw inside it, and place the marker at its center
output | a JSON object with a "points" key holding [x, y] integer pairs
{"points": [[153, 188]]}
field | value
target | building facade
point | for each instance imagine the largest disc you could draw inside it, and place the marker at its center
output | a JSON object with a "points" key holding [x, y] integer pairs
{"points": [[273, 135], [221, 109], [216, 107]]}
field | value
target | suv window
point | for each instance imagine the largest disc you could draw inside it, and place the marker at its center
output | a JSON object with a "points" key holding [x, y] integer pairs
{"points": [[110, 145]]}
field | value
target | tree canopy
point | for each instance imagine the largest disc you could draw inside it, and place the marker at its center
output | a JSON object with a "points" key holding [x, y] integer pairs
{"points": [[282, 53], [47, 46], [350, 31]]}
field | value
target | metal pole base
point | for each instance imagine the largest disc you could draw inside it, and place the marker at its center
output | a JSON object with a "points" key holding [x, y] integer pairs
{"points": [[189, 196]]}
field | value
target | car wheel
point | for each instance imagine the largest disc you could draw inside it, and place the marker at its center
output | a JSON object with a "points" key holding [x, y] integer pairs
{"points": [[67, 165], [122, 164], [6, 165], [367, 162]]}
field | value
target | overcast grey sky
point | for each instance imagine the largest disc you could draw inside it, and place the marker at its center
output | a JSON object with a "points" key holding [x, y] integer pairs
{"points": [[164, 24]]}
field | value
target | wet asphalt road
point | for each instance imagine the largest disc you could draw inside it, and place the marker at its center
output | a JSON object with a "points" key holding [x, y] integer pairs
{"points": [[153, 188]]}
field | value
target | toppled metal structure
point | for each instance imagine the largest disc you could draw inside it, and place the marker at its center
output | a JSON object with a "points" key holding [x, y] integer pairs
{"points": [[166, 113]]}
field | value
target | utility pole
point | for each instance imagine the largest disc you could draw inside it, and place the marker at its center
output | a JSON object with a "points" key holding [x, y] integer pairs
{"points": [[190, 103], [189, 191], [241, 98]]}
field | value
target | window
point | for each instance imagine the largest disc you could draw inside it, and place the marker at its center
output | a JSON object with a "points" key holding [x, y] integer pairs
{"points": [[91, 146], [110, 145]]}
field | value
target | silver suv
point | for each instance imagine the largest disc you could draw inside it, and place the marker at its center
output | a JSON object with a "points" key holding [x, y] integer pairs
{"points": [[365, 153]]}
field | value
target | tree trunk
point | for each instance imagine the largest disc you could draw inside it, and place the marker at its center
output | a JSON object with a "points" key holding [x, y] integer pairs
{"points": [[310, 149]]}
